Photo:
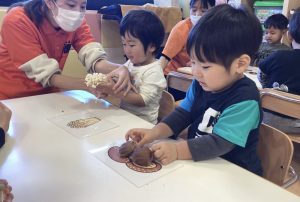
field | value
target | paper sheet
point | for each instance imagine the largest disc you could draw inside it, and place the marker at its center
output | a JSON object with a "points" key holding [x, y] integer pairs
{"points": [[83, 124]]}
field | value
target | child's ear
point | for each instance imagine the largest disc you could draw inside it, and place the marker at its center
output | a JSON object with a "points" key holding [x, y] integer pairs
{"points": [[242, 63], [284, 31], [290, 38], [151, 48]]}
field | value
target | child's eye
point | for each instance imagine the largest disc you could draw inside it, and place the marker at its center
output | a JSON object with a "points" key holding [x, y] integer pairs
{"points": [[194, 10], [205, 67], [71, 5], [82, 8], [131, 45], [203, 11]]}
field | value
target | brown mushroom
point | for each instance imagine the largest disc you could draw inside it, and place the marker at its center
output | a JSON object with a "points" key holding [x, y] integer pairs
{"points": [[127, 148], [142, 156]]}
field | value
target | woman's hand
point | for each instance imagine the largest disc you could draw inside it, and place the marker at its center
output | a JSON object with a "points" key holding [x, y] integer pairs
{"points": [[5, 115], [103, 89], [97, 92], [189, 64]]}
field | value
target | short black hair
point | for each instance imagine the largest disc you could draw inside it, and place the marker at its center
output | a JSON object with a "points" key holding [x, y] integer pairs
{"points": [[223, 34], [294, 27], [278, 21], [204, 3], [145, 26]]}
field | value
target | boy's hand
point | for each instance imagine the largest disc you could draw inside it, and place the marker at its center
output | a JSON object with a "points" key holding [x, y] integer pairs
{"points": [[165, 151], [140, 135]]}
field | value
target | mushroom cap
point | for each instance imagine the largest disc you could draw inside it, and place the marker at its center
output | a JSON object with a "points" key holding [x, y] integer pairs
{"points": [[142, 156], [127, 148]]}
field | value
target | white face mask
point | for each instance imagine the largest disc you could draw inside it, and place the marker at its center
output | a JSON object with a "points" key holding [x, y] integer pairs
{"points": [[195, 19], [68, 20]]}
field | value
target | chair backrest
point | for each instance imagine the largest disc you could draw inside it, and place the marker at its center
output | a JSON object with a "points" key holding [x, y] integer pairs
{"points": [[166, 105], [275, 150], [283, 103]]}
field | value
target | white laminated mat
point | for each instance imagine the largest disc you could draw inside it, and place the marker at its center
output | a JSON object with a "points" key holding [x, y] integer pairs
{"points": [[139, 179], [83, 124]]}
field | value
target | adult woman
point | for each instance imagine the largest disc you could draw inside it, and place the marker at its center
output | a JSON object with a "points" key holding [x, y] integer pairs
{"points": [[36, 38]]}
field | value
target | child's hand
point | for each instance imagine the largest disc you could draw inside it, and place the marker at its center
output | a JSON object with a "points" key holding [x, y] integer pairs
{"points": [[123, 84], [5, 191], [165, 151], [5, 115], [140, 135]]}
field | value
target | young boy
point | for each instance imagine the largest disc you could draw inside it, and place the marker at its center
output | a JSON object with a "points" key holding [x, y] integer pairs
{"points": [[282, 70], [142, 35], [222, 105], [275, 27]]}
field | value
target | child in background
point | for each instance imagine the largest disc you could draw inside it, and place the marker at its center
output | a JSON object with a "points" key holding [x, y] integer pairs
{"points": [[222, 105], [282, 70], [275, 27], [142, 35], [174, 54]]}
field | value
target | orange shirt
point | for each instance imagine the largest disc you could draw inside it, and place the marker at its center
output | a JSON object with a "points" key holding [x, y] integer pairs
{"points": [[175, 47], [21, 41]]}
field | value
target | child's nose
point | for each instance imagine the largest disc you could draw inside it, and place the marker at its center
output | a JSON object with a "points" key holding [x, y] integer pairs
{"points": [[126, 49]]}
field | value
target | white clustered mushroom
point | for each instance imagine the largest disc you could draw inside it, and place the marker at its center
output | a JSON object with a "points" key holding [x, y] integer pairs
{"points": [[93, 80]]}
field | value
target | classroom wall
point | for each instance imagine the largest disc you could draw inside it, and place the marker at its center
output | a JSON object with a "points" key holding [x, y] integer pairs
{"points": [[185, 5]]}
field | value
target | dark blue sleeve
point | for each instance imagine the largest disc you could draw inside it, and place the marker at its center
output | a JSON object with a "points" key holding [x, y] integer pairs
{"points": [[178, 120], [209, 146], [266, 65], [2, 137], [188, 101]]}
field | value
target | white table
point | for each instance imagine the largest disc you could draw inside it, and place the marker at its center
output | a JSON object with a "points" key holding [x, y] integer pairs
{"points": [[44, 163]]}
